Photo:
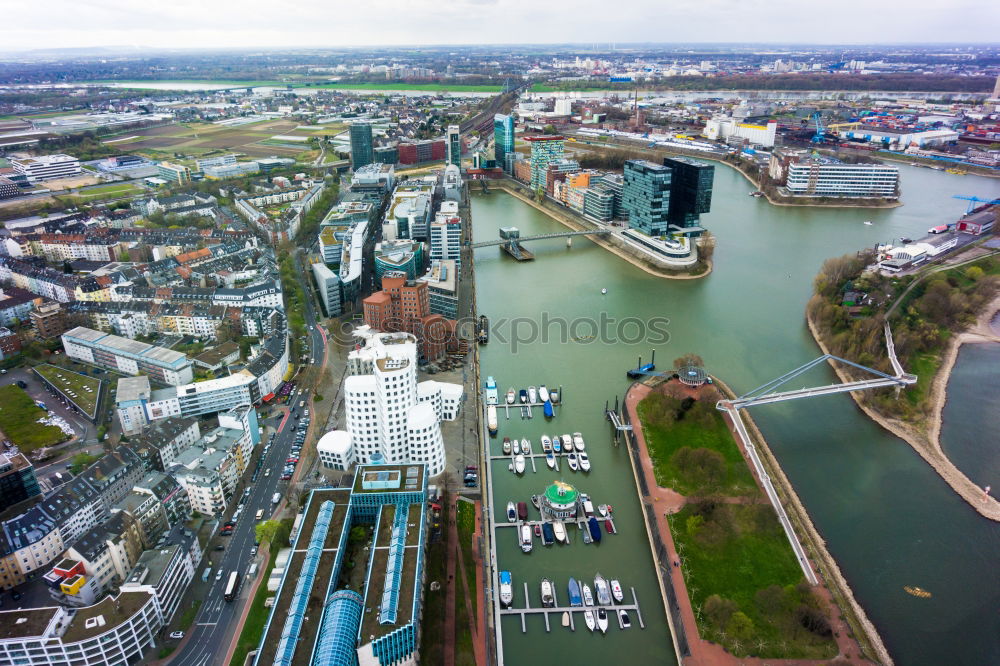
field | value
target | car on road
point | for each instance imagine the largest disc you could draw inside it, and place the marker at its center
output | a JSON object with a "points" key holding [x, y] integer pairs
{"points": [[177, 634], [220, 547], [15, 595], [286, 477], [226, 531], [218, 574], [253, 551], [267, 473]]}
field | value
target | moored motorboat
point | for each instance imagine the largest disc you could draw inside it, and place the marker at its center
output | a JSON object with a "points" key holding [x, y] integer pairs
{"points": [[584, 461], [623, 619], [522, 510], [522, 395], [511, 396], [567, 443], [547, 409], [546, 444], [601, 591], [556, 445], [519, 464], [554, 396], [588, 508], [548, 535], [491, 391], [565, 618], [573, 463], [588, 596], [586, 533], [535, 500], [506, 446], [595, 529], [616, 591], [517, 446], [602, 620], [574, 593], [538, 531], [511, 512], [560, 531], [491, 419], [543, 393], [526, 447], [550, 460], [524, 535], [506, 588], [548, 601], [588, 617], [532, 394], [609, 525], [603, 509], [578, 441]]}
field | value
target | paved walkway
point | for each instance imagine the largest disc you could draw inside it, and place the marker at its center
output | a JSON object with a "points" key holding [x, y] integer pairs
{"points": [[450, 510], [667, 502]]}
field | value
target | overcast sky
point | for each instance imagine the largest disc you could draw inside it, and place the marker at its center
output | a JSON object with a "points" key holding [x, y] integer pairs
{"points": [[272, 23]]}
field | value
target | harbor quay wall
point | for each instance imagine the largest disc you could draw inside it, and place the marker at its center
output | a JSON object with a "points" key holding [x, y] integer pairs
{"points": [[862, 627], [644, 260]]}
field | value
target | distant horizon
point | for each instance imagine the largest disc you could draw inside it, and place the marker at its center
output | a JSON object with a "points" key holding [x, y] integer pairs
{"points": [[261, 24]]}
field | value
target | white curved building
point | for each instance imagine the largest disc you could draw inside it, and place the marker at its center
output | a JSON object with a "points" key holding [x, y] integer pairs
{"points": [[425, 442], [335, 449]]}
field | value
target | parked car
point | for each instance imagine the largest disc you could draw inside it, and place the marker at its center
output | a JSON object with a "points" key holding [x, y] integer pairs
{"points": [[228, 531], [177, 634], [220, 547]]}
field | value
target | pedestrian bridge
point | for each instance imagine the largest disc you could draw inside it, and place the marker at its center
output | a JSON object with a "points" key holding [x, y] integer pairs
{"points": [[520, 239]]}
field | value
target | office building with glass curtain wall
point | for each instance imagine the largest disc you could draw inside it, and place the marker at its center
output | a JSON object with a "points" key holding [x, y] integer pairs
{"points": [[362, 146], [454, 146], [503, 139], [690, 193], [544, 151], [646, 196]]}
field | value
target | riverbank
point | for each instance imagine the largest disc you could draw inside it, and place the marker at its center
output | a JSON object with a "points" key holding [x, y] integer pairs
{"points": [[662, 503], [927, 444], [514, 190], [973, 169], [806, 204]]}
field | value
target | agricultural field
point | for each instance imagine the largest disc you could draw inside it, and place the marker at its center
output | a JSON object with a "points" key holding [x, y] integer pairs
{"points": [[403, 87], [19, 421], [81, 390], [198, 139]]}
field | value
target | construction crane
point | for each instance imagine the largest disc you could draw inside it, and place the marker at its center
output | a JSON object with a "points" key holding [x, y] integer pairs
{"points": [[974, 200], [820, 135]]}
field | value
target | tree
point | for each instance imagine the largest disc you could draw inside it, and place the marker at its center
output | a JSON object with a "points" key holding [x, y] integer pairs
{"points": [[706, 246], [689, 359], [266, 530], [549, 129], [974, 273], [718, 610], [358, 534], [740, 626], [80, 462]]}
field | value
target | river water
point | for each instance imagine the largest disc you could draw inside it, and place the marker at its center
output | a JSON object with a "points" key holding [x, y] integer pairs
{"points": [[887, 517]]}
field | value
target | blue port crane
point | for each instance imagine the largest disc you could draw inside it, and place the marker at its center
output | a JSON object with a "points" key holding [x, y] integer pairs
{"points": [[820, 135], [974, 200]]}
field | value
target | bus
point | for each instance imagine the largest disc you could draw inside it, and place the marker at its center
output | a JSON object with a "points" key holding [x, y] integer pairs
{"points": [[233, 586], [260, 514]]}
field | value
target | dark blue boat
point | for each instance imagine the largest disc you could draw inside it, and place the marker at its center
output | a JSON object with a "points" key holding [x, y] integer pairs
{"points": [[548, 534], [547, 408], [574, 593], [522, 395], [595, 529]]}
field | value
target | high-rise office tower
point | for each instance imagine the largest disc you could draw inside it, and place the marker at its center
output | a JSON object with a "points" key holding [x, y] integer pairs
{"points": [[544, 150], [690, 193], [503, 138], [454, 146], [646, 196], [362, 147]]}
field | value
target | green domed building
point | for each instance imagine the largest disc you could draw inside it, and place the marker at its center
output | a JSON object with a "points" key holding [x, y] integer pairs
{"points": [[559, 501]]}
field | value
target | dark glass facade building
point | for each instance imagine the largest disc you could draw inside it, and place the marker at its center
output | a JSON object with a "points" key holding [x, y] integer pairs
{"points": [[362, 147], [503, 138], [690, 193]]}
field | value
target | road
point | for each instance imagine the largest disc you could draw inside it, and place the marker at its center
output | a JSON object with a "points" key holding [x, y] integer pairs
{"points": [[218, 620]]}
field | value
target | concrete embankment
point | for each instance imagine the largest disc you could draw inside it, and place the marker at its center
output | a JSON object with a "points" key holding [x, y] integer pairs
{"points": [[864, 630], [641, 260], [927, 443]]}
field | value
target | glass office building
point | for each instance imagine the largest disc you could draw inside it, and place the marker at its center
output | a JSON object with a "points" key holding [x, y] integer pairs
{"points": [[503, 138], [362, 146], [690, 193], [646, 196], [544, 151]]}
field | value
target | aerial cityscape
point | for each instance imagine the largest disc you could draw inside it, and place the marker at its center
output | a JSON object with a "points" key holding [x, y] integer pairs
{"points": [[485, 335]]}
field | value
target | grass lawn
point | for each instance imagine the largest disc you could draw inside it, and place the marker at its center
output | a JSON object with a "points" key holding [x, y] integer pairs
{"points": [[430, 87], [733, 551], [109, 191], [19, 421], [464, 651], [189, 615], [432, 629], [665, 438], [73, 386]]}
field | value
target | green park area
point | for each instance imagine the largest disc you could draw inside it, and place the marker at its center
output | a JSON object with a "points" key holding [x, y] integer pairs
{"points": [[81, 390], [691, 447], [109, 191], [429, 87], [19, 421]]}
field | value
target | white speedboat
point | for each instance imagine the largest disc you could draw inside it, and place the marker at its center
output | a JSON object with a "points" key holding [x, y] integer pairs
{"points": [[511, 396], [526, 447], [603, 510], [556, 444], [532, 394], [546, 444], [511, 512], [517, 446], [584, 461], [588, 617], [524, 536], [623, 619], [506, 446], [548, 600], [506, 588], [491, 419], [543, 394], [560, 531], [519, 464], [868, 223], [602, 620], [567, 443], [616, 591], [578, 441], [550, 460], [554, 396], [602, 591], [588, 596], [565, 618], [573, 462]]}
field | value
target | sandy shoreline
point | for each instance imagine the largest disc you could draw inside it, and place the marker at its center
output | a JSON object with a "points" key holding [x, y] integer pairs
{"points": [[928, 444], [600, 241]]}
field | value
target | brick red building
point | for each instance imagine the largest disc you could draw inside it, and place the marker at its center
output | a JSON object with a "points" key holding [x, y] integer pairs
{"points": [[415, 152], [404, 305], [10, 343]]}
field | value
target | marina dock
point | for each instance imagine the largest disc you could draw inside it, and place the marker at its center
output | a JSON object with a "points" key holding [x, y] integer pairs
{"points": [[572, 610]]}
